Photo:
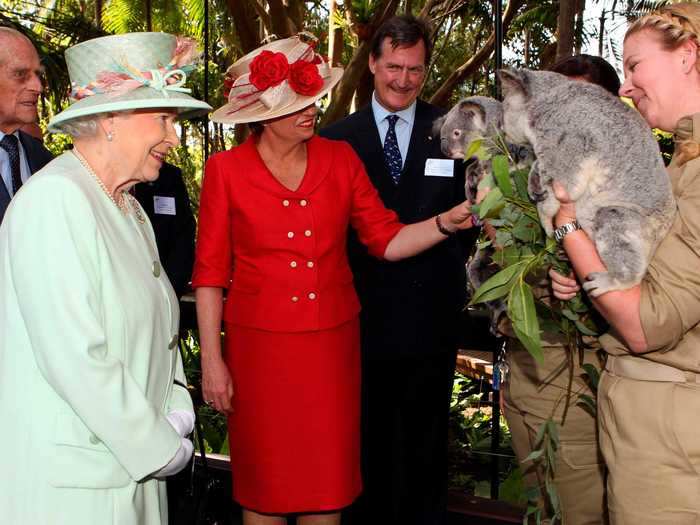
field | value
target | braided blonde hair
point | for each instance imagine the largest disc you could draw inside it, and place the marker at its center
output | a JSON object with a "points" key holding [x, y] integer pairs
{"points": [[674, 25]]}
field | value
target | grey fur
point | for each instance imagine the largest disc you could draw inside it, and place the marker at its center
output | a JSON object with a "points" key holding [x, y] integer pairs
{"points": [[470, 119], [605, 155]]}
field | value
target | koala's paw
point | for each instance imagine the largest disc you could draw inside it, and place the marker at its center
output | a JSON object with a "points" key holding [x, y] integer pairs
{"points": [[536, 189], [598, 283]]}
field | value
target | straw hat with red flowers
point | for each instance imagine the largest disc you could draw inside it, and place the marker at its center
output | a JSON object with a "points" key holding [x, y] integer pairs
{"points": [[276, 79]]}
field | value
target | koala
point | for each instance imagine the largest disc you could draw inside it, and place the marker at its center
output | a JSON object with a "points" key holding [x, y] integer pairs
{"points": [[470, 119], [604, 154]]}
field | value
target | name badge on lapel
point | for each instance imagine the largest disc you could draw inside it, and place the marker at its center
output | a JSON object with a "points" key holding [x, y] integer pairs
{"points": [[164, 205], [439, 167]]}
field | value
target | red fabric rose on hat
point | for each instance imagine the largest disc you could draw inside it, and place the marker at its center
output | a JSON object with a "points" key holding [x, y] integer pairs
{"points": [[304, 78], [268, 69]]}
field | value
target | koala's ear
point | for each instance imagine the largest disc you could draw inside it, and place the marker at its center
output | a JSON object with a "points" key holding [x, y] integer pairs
{"points": [[472, 109], [514, 82], [437, 125]]}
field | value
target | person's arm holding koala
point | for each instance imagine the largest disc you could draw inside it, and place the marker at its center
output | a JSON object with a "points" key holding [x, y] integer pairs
{"points": [[620, 307]]}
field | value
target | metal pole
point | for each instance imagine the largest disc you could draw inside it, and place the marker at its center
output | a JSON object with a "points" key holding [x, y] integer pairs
{"points": [[498, 44], [496, 392], [206, 79], [495, 417]]}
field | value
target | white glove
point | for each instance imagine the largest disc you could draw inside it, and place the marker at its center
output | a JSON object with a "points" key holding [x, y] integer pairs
{"points": [[182, 421], [179, 461]]}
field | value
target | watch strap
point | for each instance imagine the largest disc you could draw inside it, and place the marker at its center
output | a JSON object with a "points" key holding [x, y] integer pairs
{"points": [[566, 229]]}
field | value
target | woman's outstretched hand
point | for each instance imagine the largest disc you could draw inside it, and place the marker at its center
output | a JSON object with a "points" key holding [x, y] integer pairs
{"points": [[459, 217]]}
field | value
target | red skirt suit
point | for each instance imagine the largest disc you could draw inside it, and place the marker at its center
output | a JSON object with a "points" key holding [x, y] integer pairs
{"points": [[291, 320]]}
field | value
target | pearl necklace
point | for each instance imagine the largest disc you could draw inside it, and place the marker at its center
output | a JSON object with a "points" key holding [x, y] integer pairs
{"points": [[121, 205]]}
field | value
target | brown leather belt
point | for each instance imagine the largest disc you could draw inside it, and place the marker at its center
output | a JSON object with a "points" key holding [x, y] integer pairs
{"points": [[644, 370]]}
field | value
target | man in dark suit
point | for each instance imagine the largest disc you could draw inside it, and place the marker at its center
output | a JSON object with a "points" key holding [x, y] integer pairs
{"points": [[167, 205], [20, 86], [410, 309]]}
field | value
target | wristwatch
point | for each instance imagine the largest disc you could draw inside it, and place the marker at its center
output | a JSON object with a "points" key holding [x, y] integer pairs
{"points": [[565, 229]]}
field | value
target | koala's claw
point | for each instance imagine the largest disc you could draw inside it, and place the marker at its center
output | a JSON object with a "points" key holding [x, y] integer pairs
{"points": [[598, 283], [538, 196]]}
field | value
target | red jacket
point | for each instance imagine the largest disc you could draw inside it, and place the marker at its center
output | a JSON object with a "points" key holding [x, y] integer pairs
{"points": [[282, 253]]}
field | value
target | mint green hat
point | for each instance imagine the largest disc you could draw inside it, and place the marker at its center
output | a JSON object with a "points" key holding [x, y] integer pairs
{"points": [[130, 71]]}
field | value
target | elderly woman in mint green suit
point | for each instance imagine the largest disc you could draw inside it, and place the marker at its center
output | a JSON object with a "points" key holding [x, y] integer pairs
{"points": [[93, 402]]}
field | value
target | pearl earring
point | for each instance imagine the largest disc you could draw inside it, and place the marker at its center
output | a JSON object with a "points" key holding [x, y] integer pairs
{"points": [[110, 136]]}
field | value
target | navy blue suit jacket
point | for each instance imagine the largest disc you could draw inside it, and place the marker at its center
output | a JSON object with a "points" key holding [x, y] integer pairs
{"points": [[410, 307], [37, 157]]}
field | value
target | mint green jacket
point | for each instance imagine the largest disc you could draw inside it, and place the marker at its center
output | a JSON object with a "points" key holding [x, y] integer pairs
{"points": [[88, 357]]}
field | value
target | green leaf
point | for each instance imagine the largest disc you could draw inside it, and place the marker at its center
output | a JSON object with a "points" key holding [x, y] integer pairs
{"points": [[585, 330], [593, 375], [520, 179], [512, 489], [569, 314], [498, 285], [553, 496], [492, 201], [534, 455], [588, 404], [504, 238], [527, 230], [499, 165], [523, 315], [473, 148], [553, 432]]}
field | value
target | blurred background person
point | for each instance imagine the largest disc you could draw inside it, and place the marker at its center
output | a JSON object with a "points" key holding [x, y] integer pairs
{"points": [[20, 85], [167, 204]]}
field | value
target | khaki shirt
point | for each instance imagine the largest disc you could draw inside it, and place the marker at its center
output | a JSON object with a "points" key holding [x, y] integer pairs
{"points": [[670, 294]]}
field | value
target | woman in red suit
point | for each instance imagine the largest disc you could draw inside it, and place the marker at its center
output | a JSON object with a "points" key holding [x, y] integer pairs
{"points": [[274, 216]]}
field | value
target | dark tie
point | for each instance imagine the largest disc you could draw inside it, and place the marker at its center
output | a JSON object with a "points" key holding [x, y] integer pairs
{"points": [[9, 143], [392, 154]]}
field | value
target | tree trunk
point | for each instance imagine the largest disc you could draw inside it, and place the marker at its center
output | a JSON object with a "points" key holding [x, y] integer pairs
{"points": [[526, 45], [579, 26], [601, 33], [282, 25], [365, 87], [444, 92], [335, 37], [342, 95], [243, 15], [149, 19], [98, 13], [296, 11], [565, 28]]}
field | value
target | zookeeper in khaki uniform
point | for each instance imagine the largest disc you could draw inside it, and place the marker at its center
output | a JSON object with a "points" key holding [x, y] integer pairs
{"points": [[649, 395]]}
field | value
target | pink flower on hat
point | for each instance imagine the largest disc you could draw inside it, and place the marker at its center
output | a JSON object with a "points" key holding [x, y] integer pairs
{"points": [[268, 69]]}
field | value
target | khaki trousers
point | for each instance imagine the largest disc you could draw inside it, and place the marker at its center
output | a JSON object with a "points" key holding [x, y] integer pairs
{"points": [[650, 438], [531, 394]]}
